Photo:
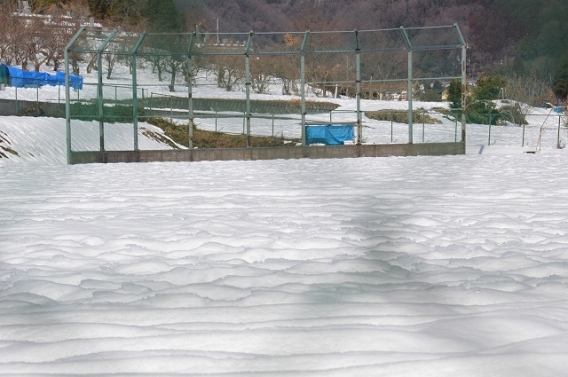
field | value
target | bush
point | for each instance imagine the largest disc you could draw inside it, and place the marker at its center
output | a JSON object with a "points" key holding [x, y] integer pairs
{"points": [[32, 112], [401, 117], [513, 113]]}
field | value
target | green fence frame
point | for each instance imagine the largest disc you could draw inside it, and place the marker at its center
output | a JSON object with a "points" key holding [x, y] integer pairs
{"points": [[189, 47]]}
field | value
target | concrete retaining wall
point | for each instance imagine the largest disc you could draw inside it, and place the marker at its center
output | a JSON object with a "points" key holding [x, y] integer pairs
{"points": [[247, 154], [9, 107], [161, 106]]}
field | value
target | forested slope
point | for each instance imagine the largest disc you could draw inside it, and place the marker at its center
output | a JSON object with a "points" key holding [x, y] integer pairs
{"points": [[509, 37]]}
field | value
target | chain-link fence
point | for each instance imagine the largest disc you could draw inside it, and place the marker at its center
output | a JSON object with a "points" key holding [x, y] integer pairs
{"points": [[179, 76]]}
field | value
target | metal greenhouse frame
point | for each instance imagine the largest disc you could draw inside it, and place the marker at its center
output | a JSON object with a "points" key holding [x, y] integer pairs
{"points": [[349, 60]]}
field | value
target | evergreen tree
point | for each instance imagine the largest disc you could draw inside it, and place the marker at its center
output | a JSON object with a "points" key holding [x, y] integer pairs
{"points": [[560, 81], [163, 16], [100, 8], [488, 88], [117, 11], [455, 94]]}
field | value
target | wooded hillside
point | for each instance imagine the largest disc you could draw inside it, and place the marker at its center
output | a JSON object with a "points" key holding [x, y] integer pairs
{"points": [[509, 37]]}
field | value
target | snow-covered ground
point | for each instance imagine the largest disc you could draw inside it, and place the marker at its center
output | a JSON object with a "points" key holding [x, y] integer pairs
{"points": [[418, 266]]}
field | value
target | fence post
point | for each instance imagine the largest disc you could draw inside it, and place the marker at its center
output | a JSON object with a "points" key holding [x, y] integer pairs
{"points": [[358, 86], [392, 131], [423, 121], [490, 121], [248, 85], [456, 132], [558, 137]]}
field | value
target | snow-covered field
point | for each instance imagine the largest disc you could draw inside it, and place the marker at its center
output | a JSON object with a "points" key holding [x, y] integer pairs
{"points": [[419, 266]]}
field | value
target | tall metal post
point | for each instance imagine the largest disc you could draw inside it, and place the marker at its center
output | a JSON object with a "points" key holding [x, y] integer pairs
{"points": [[135, 90], [247, 87], [464, 92], [558, 144], [100, 91], [68, 94], [410, 88], [410, 82], [463, 79], [303, 86], [358, 89], [190, 89]]}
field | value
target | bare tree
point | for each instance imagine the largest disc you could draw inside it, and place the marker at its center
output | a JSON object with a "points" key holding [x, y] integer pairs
{"points": [[53, 46], [110, 59], [527, 92], [13, 32], [35, 33], [158, 63], [7, 29], [91, 59], [173, 65], [287, 67], [229, 71], [262, 73]]}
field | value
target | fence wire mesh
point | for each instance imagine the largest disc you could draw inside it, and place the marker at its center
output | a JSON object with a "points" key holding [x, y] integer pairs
{"points": [[136, 76]]}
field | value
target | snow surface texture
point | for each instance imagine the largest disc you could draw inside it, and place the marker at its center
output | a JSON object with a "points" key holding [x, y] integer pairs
{"points": [[426, 266]]}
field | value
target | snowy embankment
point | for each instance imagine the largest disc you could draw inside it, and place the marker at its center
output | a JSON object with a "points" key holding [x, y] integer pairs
{"points": [[43, 140]]}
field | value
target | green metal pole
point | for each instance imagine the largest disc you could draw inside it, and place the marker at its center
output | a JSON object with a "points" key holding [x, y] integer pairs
{"points": [[190, 88], [490, 121], [463, 78], [358, 89], [423, 124], [303, 86], [558, 146], [247, 87], [100, 102], [135, 91], [410, 81], [410, 113], [392, 127], [464, 93], [100, 91], [68, 94]]}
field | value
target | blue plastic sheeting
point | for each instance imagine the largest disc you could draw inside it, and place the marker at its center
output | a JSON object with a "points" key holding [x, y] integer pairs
{"points": [[24, 79], [329, 134]]}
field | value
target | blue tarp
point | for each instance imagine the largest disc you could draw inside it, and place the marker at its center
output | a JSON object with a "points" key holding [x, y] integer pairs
{"points": [[24, 79], [329, 134]]}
